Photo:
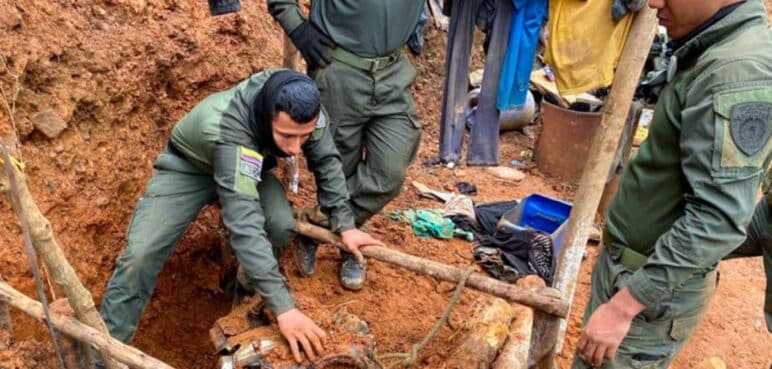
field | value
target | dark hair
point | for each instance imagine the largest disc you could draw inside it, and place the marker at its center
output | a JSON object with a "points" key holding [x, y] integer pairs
{"points": [[300, 99]]}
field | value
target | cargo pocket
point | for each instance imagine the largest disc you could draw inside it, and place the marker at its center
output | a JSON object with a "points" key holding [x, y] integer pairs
{"points": [[682, 328]]}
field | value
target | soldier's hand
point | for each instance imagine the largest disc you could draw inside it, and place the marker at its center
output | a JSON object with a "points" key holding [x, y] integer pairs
{"points": [[607, 327], [313, 44], [353, 239], [301, 331]]}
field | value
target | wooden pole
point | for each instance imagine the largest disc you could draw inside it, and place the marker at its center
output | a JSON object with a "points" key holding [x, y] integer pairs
{"points": [[109, 346], [540, 300], [602, 151], [56, 263]]}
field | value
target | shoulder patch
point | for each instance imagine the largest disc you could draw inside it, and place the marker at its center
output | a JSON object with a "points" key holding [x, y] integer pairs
{"points": [[321, 125], [250, 163], [749, 125], [321, 122]]}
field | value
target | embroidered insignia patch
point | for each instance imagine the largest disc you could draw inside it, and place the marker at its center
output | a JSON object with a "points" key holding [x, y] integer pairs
{"points": [[749, 125], [250, 163], [321, 124]]}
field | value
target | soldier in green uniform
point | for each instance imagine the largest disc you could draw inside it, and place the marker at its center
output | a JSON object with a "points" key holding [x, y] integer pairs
{"points": [[687, 198], [224, 150], [353, 51]]}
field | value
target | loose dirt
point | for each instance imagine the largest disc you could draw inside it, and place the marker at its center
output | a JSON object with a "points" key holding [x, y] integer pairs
{"points": [[120, 73]]}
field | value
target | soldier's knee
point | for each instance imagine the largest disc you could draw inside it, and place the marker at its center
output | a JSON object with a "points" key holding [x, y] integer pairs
{"points": [[394, 175], [133, 261]]}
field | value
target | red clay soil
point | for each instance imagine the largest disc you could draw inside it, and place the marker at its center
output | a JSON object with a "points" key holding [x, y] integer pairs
{"points": [[121, 72]]}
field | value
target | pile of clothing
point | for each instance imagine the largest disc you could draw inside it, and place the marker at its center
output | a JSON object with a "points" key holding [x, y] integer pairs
{"points": [[506, 252]]}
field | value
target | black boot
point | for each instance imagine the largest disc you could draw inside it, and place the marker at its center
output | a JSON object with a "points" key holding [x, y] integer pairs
{"points": [[305, 255], [352, 274]]}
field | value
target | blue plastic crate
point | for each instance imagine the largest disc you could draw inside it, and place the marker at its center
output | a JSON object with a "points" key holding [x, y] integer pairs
{"points": [[544, 213]]}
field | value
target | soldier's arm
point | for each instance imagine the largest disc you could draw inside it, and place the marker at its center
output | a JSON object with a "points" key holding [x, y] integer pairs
{"points": [[237, 172], [287, 13], [723, 169], [324, 161]]}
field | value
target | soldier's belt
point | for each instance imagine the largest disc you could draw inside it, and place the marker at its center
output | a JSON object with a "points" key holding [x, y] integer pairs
{"points": [[631, 259], [371, 65]]}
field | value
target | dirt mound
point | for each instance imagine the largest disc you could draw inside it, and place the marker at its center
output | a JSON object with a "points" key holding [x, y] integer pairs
{"points": [[95, 87]]}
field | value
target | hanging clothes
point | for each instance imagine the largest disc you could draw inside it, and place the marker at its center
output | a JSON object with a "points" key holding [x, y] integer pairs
{"points": [[584, 44], [527, 18]]}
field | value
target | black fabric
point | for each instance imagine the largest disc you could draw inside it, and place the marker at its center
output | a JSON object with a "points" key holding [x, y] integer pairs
{"points": [[312, 44], [261, 115], [467, 188], [220, 7], [517, 252]]}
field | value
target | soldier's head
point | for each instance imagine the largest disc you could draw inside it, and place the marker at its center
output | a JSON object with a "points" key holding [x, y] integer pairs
{"points": [[681, 17], [295, 113]]}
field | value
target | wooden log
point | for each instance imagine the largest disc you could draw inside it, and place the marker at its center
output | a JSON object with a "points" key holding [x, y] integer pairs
{"points": [[73, 328], [56, 263], [514, 354], [481, 336], [539, 300], [602, 152]]}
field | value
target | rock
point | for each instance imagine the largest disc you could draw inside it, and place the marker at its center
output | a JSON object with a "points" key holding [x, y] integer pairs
{"points": [[11, 20], [528, 131], [78, 169], [759, 324], [102, 201], [99, 11], [475, 78], [713, 362], [506, 173], [49, 123]]}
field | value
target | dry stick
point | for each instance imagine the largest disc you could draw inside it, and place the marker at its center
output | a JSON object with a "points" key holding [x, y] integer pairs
{"points": [[72, 327], [544, 302], [61, 271], [602, 151]]}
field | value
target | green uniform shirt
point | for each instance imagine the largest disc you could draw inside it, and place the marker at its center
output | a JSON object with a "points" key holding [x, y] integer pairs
{"points": [[217, 137], [689, 193], [368, 28]]}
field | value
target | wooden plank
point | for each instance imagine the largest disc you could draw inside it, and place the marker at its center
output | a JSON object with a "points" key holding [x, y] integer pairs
{"points": [[602, 152]]}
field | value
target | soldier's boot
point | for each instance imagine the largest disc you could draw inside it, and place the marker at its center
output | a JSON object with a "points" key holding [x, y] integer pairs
{"points": [[352, 274], [305, 255], [305, 252]]}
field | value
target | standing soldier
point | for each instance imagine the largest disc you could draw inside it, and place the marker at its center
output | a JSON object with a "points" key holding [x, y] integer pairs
{"points": [[687, 198], [353, 51]]}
